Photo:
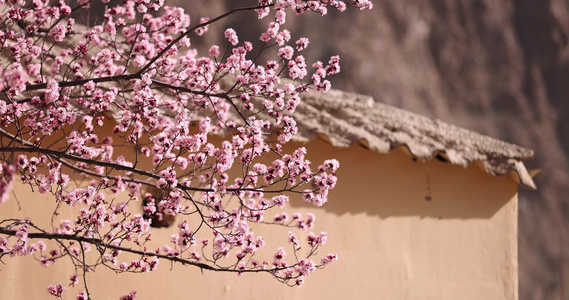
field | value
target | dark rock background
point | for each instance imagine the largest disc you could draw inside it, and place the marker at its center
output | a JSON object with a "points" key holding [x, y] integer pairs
{"points": [[497, 67]]}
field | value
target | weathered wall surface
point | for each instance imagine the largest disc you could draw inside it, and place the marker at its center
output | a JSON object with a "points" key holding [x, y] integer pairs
{"points": [[497, 67], [393, 243]]}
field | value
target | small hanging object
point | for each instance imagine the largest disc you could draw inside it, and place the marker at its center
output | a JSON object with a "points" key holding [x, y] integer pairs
{"points": [[428, 196]]}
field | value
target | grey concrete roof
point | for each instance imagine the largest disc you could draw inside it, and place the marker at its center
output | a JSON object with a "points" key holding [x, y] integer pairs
{"points": [[347, 118]]}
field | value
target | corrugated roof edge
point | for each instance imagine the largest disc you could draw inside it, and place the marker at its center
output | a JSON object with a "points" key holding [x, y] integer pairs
{"points": [[348, 118]]}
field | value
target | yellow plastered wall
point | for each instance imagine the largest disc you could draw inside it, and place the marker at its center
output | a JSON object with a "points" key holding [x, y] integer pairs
{"points": [[402, 229]]}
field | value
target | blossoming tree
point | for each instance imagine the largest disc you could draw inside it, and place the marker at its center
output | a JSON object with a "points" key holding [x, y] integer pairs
{"points": [[63, 83]]}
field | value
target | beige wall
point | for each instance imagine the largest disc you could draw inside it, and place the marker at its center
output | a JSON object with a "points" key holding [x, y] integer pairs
{"points": [[392, 243]]}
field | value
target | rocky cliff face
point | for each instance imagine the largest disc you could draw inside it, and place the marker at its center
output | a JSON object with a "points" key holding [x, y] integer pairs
{"points": [[497, 67]]}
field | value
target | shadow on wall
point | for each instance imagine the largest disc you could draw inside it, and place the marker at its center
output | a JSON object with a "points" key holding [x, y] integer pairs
{"points": [[394, 185]]}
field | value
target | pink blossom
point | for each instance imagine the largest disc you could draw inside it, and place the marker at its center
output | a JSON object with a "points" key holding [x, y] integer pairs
{"points": [[82, 295], [280, 16], [74, 280], [279, 255], [55, 290], [131, 296], [364, 4], [262, 12], [214, 51], [231, 36], [283, 37], [328, 259], [281, 218], [202, 29], [7, 175], [58, 32], [286, 52], [16, 78], [301, 44], [280, 200]]}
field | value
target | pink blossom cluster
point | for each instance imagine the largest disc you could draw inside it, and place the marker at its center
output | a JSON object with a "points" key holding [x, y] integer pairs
{"points": [[7, 175], [117, 120], [56, 290]]}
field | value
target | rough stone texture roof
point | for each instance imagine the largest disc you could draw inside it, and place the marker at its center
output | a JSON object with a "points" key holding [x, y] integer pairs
{"points": [[346, 118]]}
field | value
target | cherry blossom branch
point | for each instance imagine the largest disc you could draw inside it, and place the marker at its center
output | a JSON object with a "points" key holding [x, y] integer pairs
{"points": [[135, 72], [62, 154], [41, 86], [103, 244], [99, 242], [187, 90], [193, 29]]}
